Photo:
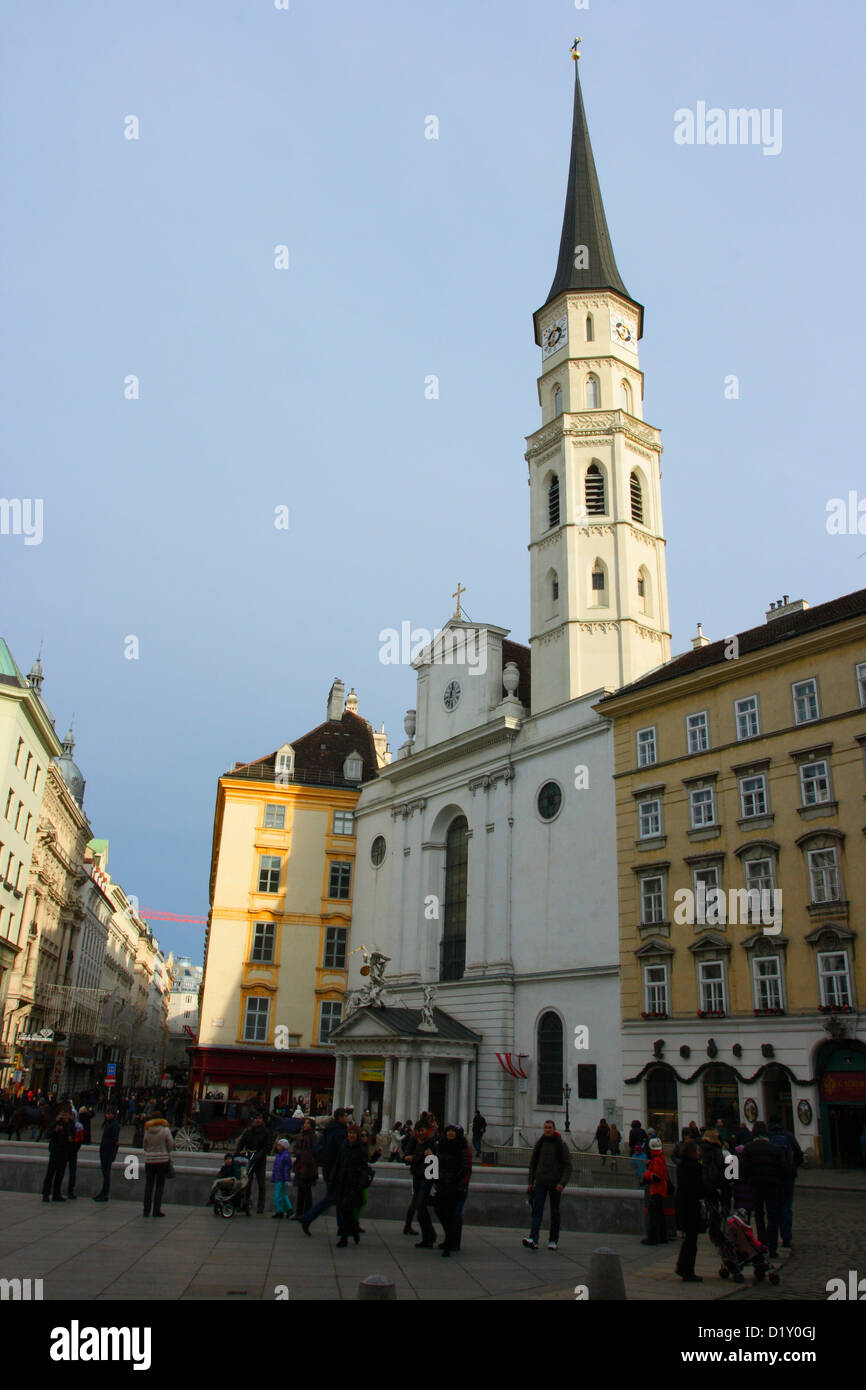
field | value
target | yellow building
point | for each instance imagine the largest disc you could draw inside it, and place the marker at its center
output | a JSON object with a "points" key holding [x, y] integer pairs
{"points": [[277, 946], [740, 782]]}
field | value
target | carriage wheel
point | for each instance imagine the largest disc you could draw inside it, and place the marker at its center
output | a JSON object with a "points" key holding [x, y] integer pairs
{"points": [[188, 1139], [227, 1211]]}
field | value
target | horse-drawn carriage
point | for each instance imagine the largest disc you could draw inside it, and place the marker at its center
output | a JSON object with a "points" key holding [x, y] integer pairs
{"points": [[213, 1124]]}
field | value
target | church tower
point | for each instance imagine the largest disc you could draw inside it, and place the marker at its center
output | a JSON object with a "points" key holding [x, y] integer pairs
{"points": [[599, 603]]}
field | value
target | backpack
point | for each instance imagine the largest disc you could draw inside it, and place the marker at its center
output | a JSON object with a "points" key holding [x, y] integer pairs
{"points": [[784, 1142]]}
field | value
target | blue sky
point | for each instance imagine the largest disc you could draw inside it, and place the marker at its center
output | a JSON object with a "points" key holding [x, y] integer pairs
{"points": [[305, 387]]}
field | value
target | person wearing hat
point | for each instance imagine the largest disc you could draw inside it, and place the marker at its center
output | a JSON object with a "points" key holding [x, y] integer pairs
{"points": [[656, 1181]]}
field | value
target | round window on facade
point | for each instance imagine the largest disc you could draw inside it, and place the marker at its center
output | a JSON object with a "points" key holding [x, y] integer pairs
{"points": [[377, 850], [549, 801]]}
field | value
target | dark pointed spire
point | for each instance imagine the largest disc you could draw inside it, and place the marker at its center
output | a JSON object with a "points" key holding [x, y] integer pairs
{"points": [[584, 223]]}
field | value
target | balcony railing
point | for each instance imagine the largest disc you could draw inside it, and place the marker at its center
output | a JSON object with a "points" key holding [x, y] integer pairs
{"points": [[316, 777]]}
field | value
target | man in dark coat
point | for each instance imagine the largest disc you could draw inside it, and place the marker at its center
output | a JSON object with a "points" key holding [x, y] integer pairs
{"points": [[108, 1146], [420, 1148], [792, 1157], [636, 1135], [61, 1137], [763, 1165], [688, 1209], [257, 1140], [450, 1186], [349, 1176], [479, 1125], [549, 1172], [326, 1154]]}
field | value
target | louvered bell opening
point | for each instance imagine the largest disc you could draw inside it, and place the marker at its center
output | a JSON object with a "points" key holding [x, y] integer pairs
{"points": [[636, 499], [553, 504], [594, 491]]}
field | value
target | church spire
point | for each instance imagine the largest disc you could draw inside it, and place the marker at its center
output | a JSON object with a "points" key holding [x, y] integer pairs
{"points": [[585, 238]]}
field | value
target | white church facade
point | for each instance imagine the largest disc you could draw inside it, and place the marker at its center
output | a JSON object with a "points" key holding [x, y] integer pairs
{"points": [[486, 851]]}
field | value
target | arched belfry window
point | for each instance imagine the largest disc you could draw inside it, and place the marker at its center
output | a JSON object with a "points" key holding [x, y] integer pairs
{"points": [[636, 499], [452, 958], [598, 589], [553, 502], [593, 392], [594, 491], [550, 1050], [590, 331], [557, 400], [625, 397], [644, 590]]}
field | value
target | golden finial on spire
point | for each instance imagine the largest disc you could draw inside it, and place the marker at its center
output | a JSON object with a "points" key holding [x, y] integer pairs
{"points": [[575, 49], [460, 590]]}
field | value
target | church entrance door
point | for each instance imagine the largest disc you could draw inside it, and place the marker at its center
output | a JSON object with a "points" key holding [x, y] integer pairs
{"points": [[436, 1102]]}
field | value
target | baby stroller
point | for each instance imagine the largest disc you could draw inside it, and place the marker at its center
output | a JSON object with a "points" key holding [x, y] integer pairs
{"points": [[739, 1247], [231, 1199]]}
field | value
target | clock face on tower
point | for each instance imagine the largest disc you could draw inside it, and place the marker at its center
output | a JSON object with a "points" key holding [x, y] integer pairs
{"points": [[623, 330], [554, 336], [451, 697]]}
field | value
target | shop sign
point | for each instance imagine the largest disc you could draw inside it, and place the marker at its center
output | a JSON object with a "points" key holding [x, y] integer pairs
{"points": [[372, 1069], [847, 1087]]}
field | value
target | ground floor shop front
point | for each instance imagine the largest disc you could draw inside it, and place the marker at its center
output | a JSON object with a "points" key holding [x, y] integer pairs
{"points": [[233, 1075]]}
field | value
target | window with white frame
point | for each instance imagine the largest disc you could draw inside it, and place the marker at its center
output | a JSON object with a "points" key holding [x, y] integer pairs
{"points": [[702, 807], [652, 899], [711, 984], [861, 682], [824, 875], [746, 713], [344, 823], [269, 873], [264, 936], [275, 817], [340, 880], [285, 763], [353, 767], [833, 978], [655, 979], [815, 782], [805, 696], [646, 747], [330, 1016], [758, 874], [256, 1019], [767, 980], [649, 818], [698, 732], [704, 881], [753, 796], [336, 941]]}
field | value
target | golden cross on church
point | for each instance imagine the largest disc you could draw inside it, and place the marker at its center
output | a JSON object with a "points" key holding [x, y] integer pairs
{"points": [[460, 590]]}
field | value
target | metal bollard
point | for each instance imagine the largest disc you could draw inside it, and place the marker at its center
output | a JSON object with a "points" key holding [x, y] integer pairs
{"points": [[377, 1286], [605, 1278]]}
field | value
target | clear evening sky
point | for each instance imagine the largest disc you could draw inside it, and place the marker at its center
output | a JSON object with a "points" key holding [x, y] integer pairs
{"points": [[305, 387]]}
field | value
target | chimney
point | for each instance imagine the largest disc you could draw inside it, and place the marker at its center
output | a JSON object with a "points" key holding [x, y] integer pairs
{"points": [[699, 640], [383, 748], [335, 699], [783, 606]]}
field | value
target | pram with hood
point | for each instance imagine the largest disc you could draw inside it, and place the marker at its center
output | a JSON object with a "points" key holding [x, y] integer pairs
{"points": [[738, 1246], [232, 1195]]}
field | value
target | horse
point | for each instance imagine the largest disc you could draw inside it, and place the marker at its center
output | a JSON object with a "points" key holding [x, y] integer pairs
{"points": [[32, 1117]]}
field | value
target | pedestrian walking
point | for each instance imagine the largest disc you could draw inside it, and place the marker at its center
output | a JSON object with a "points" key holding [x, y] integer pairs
{"points": [[636, 1135], [305, 1168], [466, 1181], [326, 1153], [713, 1166], [602, 1139], [350, 1178], [655, 1179], [688, 1209], [763, 1166], [450, 1185], [742, 1190], [615, 1141], [479, 1125], [792, 1157], [61, 1137], [157, 1144], [108, 1146], [549, 1173], [281, 1177], [422, 1147], [77, 1141], [256, 1141]]}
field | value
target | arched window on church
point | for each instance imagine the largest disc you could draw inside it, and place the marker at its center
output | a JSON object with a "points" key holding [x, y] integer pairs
{"points": [[636, 498], [557, 400], [452, 952], [553, 502], [598, 592], [644, 591], [593, 392], [625, 397], [590, 331], [593, 490], [550, 1050]]}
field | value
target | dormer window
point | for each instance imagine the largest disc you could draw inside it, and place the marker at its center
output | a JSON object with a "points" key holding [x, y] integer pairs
{"points": [[353, 768], [285, 764]]}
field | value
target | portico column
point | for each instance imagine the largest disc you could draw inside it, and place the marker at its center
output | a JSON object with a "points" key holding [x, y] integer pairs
{"points": [[349, 1086], [414, 1089], [400, 1102], [339, 1072], [424, 1087], [388, 1097], [464, 1117]]}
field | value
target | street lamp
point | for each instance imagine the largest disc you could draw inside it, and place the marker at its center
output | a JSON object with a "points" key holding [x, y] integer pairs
{"points": [[566, 1091]]}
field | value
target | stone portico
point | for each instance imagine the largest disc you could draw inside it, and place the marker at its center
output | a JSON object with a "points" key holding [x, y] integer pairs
{"points": [[392, 1061]]}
